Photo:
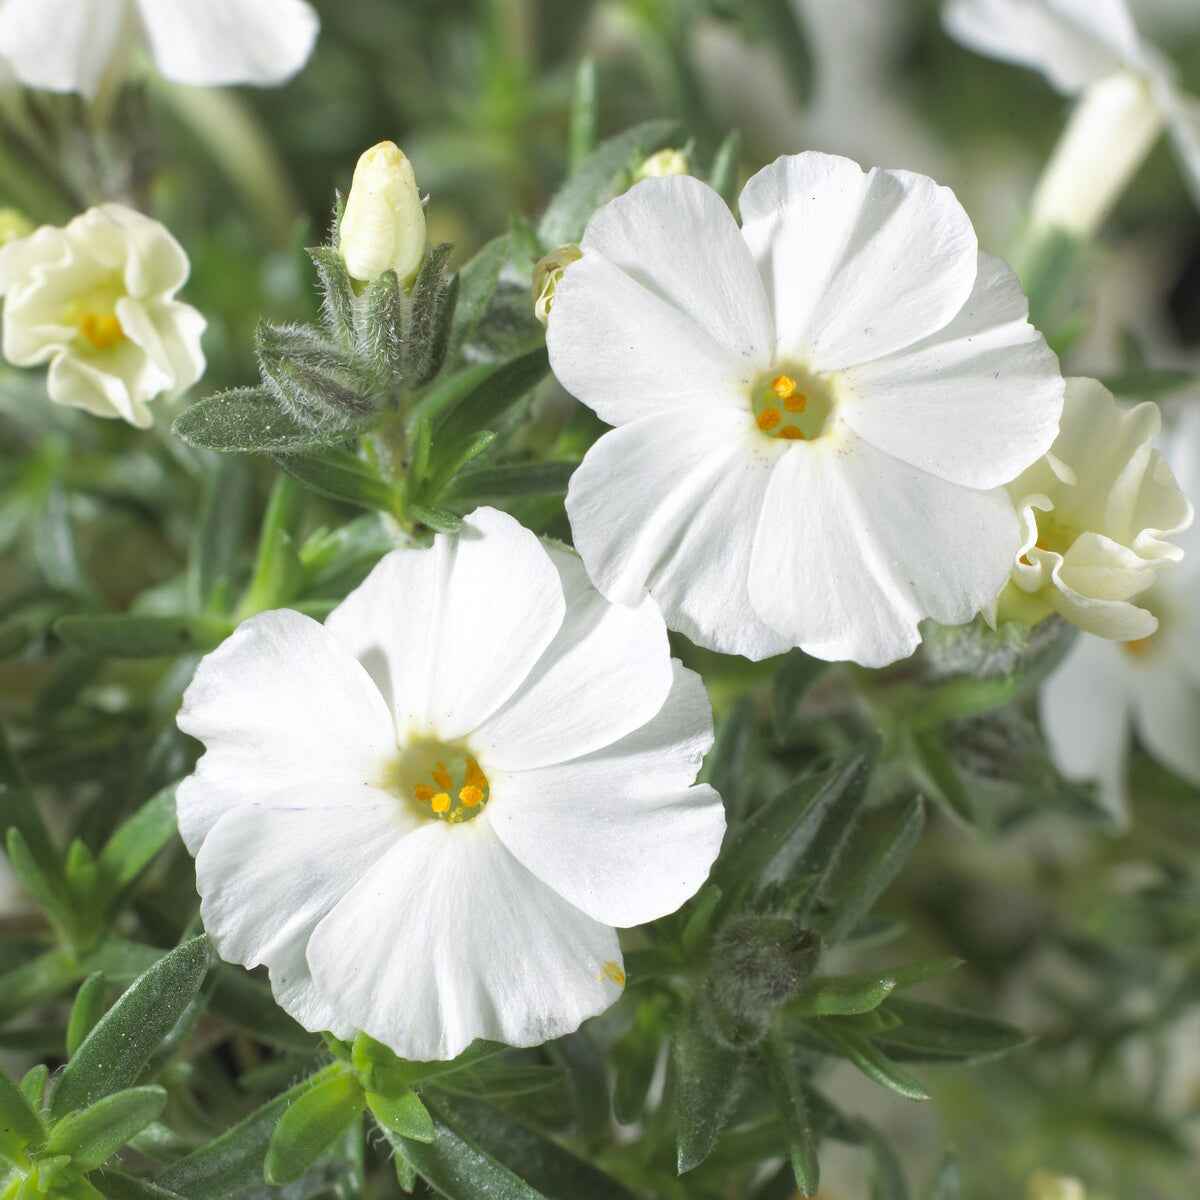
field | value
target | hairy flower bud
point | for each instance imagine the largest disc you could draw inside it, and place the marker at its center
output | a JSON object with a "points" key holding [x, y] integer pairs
{"points": [[547, 271], [383, 226], [665, 162]]}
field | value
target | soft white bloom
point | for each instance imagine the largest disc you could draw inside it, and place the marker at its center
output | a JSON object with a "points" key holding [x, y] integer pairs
{"points": [[96, 300], [1129, 95], [427, 815], [383, 226], [70, 45], [1096, 511], [1151, 684], [816, 413]]}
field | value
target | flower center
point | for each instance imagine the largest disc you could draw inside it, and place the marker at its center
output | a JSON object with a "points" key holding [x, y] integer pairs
{"points": [[443, 781], [794, 406], [94, 315]]}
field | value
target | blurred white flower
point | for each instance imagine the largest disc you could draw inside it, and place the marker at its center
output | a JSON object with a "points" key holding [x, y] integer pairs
{"points": [[426, 816], [1152, 684], [383, 225], [96, 300], [1129, 95], [1096, 511], [816, 413], [70, 45]]}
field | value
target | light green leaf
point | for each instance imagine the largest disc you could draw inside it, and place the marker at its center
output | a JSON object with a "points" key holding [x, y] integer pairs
{"points": [[136, 842], [94, 1135], [869, 1059], [311, 1125], [403, 1113], [89, 1006], [20, 1126]]}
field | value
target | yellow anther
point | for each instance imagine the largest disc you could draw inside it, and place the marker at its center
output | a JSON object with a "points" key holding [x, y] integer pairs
{"points": [[797, 403], [470, 795], [612, 971], [441, 803], [783, 386], [423, 792], [768, 419], [790, 433], [442, 777], [102, 332], [1136, 646]]}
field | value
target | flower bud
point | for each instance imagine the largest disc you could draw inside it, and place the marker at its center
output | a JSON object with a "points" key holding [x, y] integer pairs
{"points": [[383, 226], [547, 271], [665, 162]]}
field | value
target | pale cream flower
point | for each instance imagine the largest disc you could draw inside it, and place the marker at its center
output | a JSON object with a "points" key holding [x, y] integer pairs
{"points": [[383, 226], [96, 301]]}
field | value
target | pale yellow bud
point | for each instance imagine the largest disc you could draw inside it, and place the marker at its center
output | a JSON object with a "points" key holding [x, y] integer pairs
{"points": [[14, 224], [547, 271], [383, 227], [1046, 1185], [665, 162]]}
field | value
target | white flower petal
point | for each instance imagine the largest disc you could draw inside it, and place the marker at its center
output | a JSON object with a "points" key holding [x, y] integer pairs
{"points": [[856, 264], [975, 402], [61, 45], [607, 672], [79, 381], [620, 833], [1167, 715], [664, 310], [213, 42], [1072, 42], [476, 947], [671, 504], [854, 549], [449, 633], [267, 874], [285, 709]]}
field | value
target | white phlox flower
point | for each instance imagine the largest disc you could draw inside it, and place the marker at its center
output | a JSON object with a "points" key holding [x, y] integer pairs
{"points": [[70, 45], [427, 815], [1129, 95], [96, 300], [1097, 512], [1103, 690], [815, 413]]}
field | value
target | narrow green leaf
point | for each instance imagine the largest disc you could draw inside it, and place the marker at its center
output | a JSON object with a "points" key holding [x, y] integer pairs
{"points": [[444, 468], [477, 285], [217, 534], [790, 1101], [515, 479], [727, 766], [604, 173], [403, 1113], [442, 520], [869, 1059], [119, 1185], [94, 1135], [723, 177], [934, 1031], [340, 475], [136, 842], [940, 776], [122, 635], [708, 1082], [33, 1083], [311, 1125], [49, 890], [796, 674], [430, 318], [911, 974], [243, 421], [841, 995], [876, 875], [581, 138], [20, 1126], [89, 1006], [115, 1051], [278, 570], [337, 293]]}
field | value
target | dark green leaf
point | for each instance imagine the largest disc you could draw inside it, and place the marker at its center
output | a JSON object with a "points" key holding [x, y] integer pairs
{"points": [[248, 1003], [515, 479], [121, 1044], [94, 1135], [217, 535], [727, 766], [789, 1091], [90, 1005], [340, 475], [48, 889], [796, 674], [934, 1031], [477, 284], [37, 981], [119, 1185], [868, 1058], [311, 1125], [122, 635], [939, 776], [243, 421], [707, 1086]]}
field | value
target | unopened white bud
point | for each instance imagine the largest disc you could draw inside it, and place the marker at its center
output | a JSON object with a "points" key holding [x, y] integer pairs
{"points": [[547, 271], [665, 162], [383, 227]]}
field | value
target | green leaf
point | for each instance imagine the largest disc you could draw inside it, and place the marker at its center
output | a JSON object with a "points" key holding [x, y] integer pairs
{"points": [[119, 1185], [605, 173], [218, 535], [930, 1032], [708, 1081], [470, 488], [94, 1135], [337, 293], [939, 776], [797, 673], [637, 1058], [443, 468], [20, 1126], [459, 1170], [136, 842], [311, 1125], [581, 136], [49, 890], [539, 1162], [234, 1161], [122, 635], [868, 1058], [946, 1183], [248, 1003], [723, 177], [429, 320], [403, 1113], [727, 766], [381, 1070], [441, 520], [790, 1100], [841, 995], [90, 1005], [477, 285], [33, 1083], [340, 475], [876, 875], [243, 421], [115, 1051]]}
